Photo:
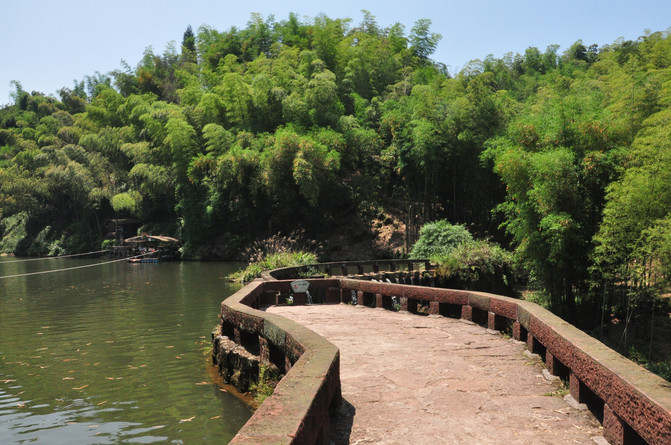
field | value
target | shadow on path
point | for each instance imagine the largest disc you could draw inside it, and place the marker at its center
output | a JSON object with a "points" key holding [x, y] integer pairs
{"points": [[341, 423]]}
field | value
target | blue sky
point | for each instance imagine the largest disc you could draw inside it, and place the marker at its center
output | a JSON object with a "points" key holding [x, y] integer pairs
{"points": [[47, 44]]}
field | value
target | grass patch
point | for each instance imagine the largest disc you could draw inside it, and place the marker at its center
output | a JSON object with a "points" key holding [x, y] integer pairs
{"points": [[265, 385], [562, 391]]}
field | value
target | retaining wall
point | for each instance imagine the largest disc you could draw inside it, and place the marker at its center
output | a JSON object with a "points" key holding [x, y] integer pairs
{"points": [[298, 410]]}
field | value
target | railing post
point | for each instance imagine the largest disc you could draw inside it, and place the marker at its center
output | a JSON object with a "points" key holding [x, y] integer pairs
{"points": [[359, 269], [359, 298], [576, 388], [613, 426], [392, 266], [467, 312], [491, 321], [551, 363], [434, 308], [378, 300], [533, 345]]}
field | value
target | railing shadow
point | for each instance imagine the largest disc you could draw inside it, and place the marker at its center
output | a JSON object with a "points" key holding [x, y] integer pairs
{"points": [[341, 423]]}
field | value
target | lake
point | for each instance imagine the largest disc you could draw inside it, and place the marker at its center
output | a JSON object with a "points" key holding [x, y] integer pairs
{"points": [[113, 353]]}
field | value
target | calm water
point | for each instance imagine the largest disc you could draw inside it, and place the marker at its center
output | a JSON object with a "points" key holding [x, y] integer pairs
{"points": [[113, 353]]}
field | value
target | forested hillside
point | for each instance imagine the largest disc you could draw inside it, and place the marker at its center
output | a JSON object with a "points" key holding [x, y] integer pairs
{"points": [[564, 156]]}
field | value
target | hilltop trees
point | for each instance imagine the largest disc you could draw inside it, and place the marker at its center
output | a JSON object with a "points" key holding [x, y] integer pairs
{"points": [[241, 133]]}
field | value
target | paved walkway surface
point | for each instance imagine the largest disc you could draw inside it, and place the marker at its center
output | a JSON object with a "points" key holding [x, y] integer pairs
{"points": [[410, 379]]}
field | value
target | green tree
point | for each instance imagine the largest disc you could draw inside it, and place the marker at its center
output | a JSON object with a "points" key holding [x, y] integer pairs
{"points": [[423, 42]]}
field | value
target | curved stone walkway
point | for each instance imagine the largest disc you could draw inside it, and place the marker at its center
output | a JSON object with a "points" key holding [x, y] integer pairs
{"points": [[410, 379]]}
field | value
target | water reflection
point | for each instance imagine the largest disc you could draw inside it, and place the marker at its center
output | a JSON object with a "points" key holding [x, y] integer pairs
{"points": [[112, 353]]}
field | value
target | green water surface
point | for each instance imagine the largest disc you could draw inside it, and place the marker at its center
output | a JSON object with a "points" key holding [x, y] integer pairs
{"points": [[115, 353]]}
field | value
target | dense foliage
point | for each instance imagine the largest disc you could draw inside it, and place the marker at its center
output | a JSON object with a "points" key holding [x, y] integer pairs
{"points": [[242, 133], [439, 238], [477, 265]]}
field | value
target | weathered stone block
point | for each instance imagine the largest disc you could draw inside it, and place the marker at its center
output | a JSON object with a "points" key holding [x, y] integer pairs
{"points": [[517, 331], [274, 334]]}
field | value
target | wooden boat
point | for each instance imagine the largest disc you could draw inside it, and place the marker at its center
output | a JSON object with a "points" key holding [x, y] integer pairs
{"points": [[143, 260], [152, 248]]}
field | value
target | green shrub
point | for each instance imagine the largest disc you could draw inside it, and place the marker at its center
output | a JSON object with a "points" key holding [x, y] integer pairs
{"points": [[264, 387], [439, 238], [477, 265], [540, 297], [277, 252], [662, 369], [274, 261], [12, 230]]}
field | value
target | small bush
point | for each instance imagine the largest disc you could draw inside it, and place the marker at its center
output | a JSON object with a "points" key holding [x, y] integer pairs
{"points": [[274, 261], [662, 369], [439, 238], [540, 297], [477, 265], [296, 241], [265, 385], [277, 252]]}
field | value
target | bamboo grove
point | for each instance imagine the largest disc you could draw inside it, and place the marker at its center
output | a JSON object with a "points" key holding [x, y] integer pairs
{"points": [[564, 156]]}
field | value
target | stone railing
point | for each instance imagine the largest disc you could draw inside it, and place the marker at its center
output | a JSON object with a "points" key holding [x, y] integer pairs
{"points": [[633, 404], [345, 268], [298, 410]]}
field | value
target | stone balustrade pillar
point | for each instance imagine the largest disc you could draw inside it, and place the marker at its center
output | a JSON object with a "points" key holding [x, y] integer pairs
{"points": [[552, 364], [575, 388], [491, 321], [613, 426], [530, 342], [359, 298]]}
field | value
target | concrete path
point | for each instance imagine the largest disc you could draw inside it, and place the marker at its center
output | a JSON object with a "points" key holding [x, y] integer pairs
{"points": [[410, 379]]}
